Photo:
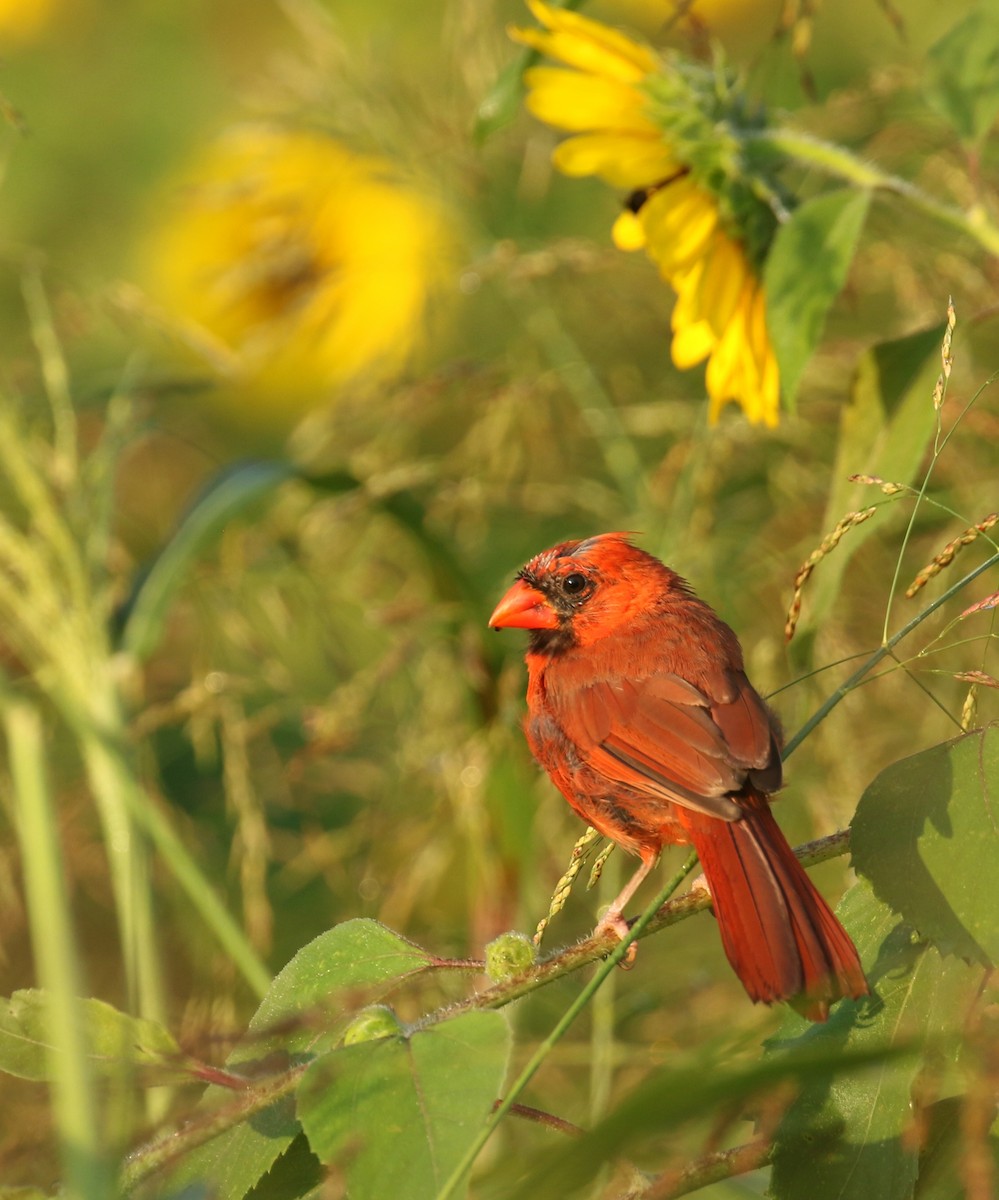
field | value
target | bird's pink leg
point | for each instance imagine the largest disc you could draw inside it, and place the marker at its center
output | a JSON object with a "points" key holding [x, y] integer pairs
{"points": [[613, 918]]}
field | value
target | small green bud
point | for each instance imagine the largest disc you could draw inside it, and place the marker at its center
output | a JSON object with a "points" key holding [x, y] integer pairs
{"points": [[508, 955], [378, 1021]]}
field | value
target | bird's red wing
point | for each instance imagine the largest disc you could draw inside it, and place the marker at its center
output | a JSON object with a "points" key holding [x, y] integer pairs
{"points": [[658, 735], [750, 729]]}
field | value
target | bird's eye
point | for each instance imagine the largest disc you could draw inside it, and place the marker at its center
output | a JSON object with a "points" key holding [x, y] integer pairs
{"points": [[575, 583]]}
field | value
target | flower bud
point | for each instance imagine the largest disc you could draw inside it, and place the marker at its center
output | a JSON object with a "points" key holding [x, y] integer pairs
{"points": [[509, 955]]}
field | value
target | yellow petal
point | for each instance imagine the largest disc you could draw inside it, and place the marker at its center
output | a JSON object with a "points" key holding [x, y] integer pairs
{"points": [[577, 102], [691, 344], [679, 222], [582, 42], [627, 231], [693, 337], [721, 286], [621, 159], [770, 392], [731, 373], [686, 311], [766, 360]]}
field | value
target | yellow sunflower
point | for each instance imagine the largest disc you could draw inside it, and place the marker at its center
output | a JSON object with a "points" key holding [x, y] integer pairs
{"points": [[611, 95], [299, 266]]}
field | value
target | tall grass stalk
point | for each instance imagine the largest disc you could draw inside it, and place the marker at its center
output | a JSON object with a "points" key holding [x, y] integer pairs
{"points": [[86, 1170]]}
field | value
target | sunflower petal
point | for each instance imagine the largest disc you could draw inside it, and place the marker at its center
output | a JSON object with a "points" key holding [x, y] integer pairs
{"points": [[580, 103], [589, 45], [721, 285], [679, 221], [628, 233], [692, 343], [622, 160]]}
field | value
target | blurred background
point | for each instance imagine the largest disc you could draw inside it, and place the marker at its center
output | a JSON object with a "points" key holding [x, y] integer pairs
{"points": [[437, 329]]}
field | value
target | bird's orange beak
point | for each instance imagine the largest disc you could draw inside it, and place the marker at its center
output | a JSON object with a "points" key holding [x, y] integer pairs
{"points": [[523, 607]]}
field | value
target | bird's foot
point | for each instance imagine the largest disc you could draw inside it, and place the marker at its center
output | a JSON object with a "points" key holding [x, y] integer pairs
{"points": [[700, 884], [613, 922]]}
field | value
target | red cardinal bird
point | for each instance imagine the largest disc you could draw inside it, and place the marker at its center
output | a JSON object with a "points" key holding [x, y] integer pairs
{"points": [[641, 713]]}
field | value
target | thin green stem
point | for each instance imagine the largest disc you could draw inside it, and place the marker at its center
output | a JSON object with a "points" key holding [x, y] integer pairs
{"points": [[603, 1019], [50, 538], [713, 1168], [881, 653], [99, 473], [111, 775], [165, 1149], [920, 498], [110, 780], [838, 161], [75, 1105], [54, 371], [616, 956]]}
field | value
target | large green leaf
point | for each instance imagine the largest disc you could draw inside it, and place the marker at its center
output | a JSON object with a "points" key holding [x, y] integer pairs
{"points": [[846, 1137], [114, 1040], [962, 76], [926, 835], [884, 430], [805, 270], [357, 957], [398, 1113], [302, 1014]]}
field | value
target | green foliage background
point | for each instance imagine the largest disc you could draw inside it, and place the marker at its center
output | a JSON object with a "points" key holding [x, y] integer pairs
{"points": [[319, 723]]}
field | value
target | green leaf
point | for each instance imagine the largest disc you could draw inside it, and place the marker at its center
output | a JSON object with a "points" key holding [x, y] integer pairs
{"points": [[113, 1040], [714, 1083], [227, 495], [962, 74], [845, 1137], [925, 835], [357, 955], [398, 1114], [297, 1173], [805, 270], [884, 430], [501, 103], [309, 1002]]}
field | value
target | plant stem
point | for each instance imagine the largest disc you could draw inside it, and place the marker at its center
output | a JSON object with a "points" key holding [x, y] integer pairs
{"points": [[882, 653], [75, 1105], [838, 161], [616, 956], [111, 775], [128, 855], [712, 1168], [54, 371], [162, 1150], [167, 1148]]}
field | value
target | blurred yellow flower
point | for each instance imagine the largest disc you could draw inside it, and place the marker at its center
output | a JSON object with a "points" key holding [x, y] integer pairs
{"points": [[23, 20], [299, 265], [605, 101]]}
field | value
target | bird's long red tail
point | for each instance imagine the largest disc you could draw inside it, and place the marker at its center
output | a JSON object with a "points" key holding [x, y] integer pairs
{"points": [[780, 936]]}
